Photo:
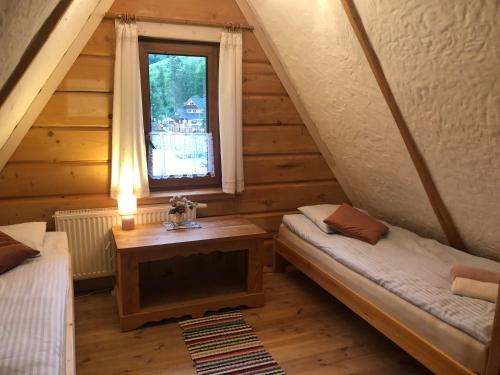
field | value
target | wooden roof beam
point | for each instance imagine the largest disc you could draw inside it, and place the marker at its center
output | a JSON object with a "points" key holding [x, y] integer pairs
{"points": [[46, 71]]}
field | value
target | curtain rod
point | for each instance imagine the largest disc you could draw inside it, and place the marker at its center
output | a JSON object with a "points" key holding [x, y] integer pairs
{"points": [[174, 21]]}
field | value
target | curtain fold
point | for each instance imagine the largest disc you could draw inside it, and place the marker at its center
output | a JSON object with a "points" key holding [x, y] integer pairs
{"points": [[129, 173], [230, 111]]}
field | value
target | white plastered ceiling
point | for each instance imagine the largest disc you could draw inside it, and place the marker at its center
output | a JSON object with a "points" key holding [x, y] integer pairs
{"points": [[441, 59]]}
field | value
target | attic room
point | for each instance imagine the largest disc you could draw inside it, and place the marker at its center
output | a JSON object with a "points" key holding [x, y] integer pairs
{"points": [[249, 187]]}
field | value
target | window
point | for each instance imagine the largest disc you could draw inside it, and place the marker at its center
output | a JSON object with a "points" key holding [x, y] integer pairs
{"points": [[179, 90]]}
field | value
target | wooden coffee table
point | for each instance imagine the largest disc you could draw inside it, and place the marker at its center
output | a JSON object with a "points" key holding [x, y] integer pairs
{"points": [[192, 295]]}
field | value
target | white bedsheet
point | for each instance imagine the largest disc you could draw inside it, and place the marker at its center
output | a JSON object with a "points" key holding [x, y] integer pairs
{"points": [[414, 268], [33, 312]]}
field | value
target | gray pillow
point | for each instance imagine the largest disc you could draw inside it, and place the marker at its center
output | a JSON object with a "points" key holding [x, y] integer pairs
{"points": [[318, 213]]}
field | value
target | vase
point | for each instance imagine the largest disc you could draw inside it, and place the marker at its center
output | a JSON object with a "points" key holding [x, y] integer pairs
{"points": [[177, 219]]}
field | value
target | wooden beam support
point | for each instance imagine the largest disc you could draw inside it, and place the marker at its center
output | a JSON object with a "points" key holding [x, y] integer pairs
{"points": [[435, 199], [33, 47], [46, 71]]}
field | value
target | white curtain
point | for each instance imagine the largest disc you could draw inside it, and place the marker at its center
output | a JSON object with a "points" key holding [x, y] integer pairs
{"points": [[129, 173], [230, 114]]}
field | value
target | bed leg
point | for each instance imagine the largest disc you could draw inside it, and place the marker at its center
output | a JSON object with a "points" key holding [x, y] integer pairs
{"points": [[492, 366], [279, 263]]}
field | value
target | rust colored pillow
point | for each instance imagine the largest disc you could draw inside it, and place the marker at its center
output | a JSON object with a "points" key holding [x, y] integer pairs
{"points": [[13, 253], [354, 223]]}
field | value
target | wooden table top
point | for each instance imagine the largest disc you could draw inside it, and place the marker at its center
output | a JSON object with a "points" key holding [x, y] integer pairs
{"points": [[212, 229]]}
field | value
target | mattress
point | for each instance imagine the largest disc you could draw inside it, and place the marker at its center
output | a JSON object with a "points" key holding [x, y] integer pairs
{"points": [[458, 344], [33, 319]]}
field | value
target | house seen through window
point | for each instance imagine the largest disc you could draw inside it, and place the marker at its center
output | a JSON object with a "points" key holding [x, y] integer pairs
{"points": [[179, 84]]}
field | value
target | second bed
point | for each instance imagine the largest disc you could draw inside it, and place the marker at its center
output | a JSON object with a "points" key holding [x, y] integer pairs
{"points": [[428, 309]]}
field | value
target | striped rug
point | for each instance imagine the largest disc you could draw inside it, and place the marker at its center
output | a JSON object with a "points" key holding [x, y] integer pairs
{"points": [[226, 344]]}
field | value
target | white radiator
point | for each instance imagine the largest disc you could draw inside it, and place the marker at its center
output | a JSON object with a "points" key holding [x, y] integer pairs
{"points": [[89, 236]]}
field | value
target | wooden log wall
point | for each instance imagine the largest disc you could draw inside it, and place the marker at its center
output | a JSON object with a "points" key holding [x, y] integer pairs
{"points": [[64, 160]]}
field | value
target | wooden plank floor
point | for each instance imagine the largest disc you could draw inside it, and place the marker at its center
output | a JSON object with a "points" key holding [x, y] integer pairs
{"points": [[306, 330]]}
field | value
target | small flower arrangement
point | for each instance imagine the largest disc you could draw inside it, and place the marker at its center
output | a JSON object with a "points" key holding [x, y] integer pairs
{"points": [[181, 205]]}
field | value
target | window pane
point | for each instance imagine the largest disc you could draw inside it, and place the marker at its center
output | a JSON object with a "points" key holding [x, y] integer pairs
{"points": [[181, 143], [176, 154]]}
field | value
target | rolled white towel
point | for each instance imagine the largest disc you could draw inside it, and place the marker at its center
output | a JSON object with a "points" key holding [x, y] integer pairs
{"points": [[475, 289]]}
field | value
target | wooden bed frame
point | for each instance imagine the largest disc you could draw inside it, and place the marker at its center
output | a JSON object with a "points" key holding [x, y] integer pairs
{"points": [[417, 346]]}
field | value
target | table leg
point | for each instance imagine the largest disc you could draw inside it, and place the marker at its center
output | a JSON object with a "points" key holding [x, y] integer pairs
{"points": [[255, 266], [128, 283]]}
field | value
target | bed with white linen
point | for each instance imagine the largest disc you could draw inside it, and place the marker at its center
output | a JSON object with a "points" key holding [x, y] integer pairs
{"points": [[401, 287], [36, 313]]}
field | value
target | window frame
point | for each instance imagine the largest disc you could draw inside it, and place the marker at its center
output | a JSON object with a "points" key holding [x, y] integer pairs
{"points": [[182, 48]]}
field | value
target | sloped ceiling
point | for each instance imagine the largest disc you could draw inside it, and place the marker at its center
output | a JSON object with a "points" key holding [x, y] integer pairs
{"points": [[46, 70], [20, 20], [441, 60]]}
